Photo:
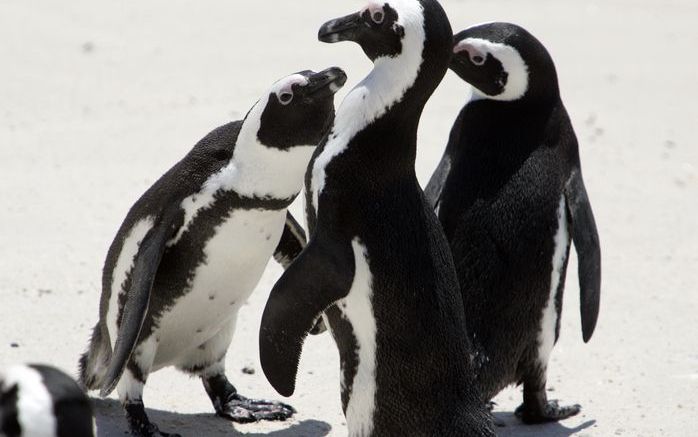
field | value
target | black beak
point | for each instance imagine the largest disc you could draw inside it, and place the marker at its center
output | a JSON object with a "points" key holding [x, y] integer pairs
{"points": [[341, 29], [325, 83]]}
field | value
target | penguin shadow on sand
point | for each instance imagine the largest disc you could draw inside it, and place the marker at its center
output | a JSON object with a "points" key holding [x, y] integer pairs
{"points": [[513, 427], [111, 422]]}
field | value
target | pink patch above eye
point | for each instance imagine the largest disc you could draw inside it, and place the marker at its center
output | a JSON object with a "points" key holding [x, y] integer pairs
{"points": [[473, 53]]}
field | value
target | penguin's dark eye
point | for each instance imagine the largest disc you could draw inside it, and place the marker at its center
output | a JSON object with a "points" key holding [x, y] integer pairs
{"points": [[285, 98], [478, 60], [378, 17]]}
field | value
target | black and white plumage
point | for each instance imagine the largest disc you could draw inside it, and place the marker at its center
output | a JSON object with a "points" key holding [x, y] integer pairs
{"points": [[42, 401], [510, 195], [194, 246], [377, 266]]}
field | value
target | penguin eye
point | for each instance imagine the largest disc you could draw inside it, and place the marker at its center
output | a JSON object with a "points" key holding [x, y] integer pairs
{"points": [[378, 17], [477, 60], [285, 98]]}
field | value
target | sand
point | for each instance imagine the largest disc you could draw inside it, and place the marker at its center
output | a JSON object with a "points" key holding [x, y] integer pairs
{"points": [[98, 99]]}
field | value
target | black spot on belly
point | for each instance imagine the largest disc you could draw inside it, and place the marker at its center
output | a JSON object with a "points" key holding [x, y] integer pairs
{"points": [[233, 303], [199, 331], [202, 347], [211, 297]]}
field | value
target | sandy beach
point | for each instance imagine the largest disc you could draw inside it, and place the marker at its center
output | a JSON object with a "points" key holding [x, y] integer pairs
{"points": [[99, 98]]}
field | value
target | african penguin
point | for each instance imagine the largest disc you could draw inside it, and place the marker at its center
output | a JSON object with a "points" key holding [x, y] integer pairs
{"points": [[194, 246], [377, 263], [510, 195], [42, 401]]}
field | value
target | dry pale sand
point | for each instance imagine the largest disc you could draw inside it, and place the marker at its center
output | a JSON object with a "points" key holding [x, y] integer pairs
{"points": [[99, 98]]}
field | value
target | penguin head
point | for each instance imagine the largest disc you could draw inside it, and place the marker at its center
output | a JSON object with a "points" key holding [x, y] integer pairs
{"points": [[504, 62], [380, 28], [299, 109]]}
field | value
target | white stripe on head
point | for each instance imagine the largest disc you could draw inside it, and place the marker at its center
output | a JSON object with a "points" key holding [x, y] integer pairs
{"points": [[384, 87], [34, 404], [512, 63]]}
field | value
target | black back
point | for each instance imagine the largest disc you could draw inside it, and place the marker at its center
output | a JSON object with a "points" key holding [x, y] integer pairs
{"points": [[506, 167]]}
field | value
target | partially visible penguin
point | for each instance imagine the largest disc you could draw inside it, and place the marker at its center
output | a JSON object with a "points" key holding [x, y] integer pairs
{"points": [[194, 246], [510, 195], [377, 264], [42, 401]]}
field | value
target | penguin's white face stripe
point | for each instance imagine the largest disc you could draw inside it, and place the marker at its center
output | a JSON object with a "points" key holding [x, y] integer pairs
{"points": [[124, 264], [34, 403], [546, 337], [357, 308], [384, 87], [512, 62]]}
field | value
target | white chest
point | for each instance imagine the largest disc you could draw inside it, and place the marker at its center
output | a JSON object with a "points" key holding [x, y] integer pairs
{"points": [[235, 259]]}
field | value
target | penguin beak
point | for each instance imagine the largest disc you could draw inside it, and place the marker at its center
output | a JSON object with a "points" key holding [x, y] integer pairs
{"points": [[341, 29], [325, 83]]}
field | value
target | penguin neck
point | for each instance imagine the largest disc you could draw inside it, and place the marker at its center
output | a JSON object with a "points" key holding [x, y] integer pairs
{"points": [[384, 100], [498, 136], [263, 171]]}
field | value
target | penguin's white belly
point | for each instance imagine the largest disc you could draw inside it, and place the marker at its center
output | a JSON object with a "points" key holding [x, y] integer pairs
{"points": [[236, 257]]}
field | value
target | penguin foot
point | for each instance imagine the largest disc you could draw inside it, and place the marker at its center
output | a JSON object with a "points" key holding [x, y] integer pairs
{"points": [[243, 410], [139, 423], [549, 411]]}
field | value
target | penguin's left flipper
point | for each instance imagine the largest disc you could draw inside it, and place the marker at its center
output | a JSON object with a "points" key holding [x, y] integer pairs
{"points": [[145, 266], [586, 243], [320, 276], [292, 243]]}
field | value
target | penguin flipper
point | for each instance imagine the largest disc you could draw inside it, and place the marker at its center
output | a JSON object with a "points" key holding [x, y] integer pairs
{"points": [[320, 276], [438, 180], [143, 273], [292, 243], [586, 243]]}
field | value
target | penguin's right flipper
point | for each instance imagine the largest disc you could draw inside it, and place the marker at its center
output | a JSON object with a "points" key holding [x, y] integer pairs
{"points": [[436, 183], [292, 243], [320, 276], [145, 266], [586, 243]]}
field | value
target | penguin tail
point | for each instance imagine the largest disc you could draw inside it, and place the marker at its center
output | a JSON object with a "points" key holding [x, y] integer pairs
{"points": [[93, 364]]}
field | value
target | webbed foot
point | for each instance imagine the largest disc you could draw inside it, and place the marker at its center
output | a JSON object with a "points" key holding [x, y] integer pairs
{"points": [[549, 411]]}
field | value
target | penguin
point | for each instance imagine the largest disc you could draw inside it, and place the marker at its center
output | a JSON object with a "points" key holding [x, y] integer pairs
{"points": [[41, 401], [377, 267], [194, 246], [510, 195]]}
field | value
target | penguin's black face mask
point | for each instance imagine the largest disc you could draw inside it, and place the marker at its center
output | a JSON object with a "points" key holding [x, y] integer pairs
{"points": [[479, 68], [301, 112], [375, 29]]}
